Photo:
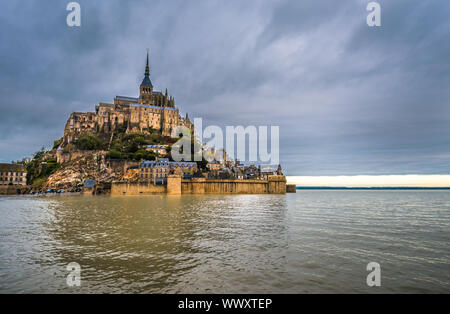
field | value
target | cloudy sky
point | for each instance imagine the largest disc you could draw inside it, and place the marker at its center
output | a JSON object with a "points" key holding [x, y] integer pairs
{"points": [[349, 99]]}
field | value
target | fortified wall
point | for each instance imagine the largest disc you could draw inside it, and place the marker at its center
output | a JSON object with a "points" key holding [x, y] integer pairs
{"points": [[176, 185], [14, 189], [137, 188]]}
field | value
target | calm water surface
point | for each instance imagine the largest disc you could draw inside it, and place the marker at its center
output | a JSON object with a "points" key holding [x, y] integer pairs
{"points": [[309, 242]]}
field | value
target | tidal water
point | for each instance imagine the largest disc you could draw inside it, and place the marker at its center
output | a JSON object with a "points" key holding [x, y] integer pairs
{"points": [[314, 241]]}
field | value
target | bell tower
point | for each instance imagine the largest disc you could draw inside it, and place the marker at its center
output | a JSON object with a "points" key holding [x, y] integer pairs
{"points": [[146, 88]]}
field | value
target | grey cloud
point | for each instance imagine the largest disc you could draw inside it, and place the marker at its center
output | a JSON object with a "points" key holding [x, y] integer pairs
{"points": [[349, 99]]}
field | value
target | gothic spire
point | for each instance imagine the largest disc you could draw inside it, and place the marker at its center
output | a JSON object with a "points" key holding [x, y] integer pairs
{"points": [[146, 81], [147, 67]]}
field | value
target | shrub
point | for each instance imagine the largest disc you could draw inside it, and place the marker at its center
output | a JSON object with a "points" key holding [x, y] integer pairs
{"points": [[56, 143], [132, 147], [140, 140], [48, 168], [143, 154], [37, 184], [121, 129], [39, 170], [114, 154], [116, 146], [68, 148], [88, 142], [39, 154]]}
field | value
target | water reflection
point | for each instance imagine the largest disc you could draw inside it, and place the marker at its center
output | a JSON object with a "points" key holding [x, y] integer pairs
{"points": [[165, 244], [312, 241]]}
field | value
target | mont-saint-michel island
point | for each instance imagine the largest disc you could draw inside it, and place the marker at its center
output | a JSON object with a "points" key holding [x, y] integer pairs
{"points": [[124, 148], [224, 152]]}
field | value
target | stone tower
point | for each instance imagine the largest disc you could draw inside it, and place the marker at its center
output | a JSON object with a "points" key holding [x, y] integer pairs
{"points": [[146, 88]]}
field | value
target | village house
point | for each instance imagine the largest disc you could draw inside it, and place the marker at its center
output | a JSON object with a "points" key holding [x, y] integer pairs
{"points": [[13, 174], [160, 150], [156, 171]]}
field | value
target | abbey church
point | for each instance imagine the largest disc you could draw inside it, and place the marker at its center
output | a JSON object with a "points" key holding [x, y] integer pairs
{"points": [[152, 110]]}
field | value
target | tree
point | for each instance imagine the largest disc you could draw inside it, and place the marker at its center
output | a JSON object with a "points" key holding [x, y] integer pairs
{"points": [[88, 142], [39, 154], [56, 143], [114, 154]]}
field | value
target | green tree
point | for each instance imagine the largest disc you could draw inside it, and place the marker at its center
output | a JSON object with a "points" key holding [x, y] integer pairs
{"points": [[114, 154], [40, 153], [57, 142], [88, 142], [39, 169]]}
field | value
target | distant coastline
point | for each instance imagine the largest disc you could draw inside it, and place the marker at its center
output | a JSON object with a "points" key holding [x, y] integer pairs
{"points": [[369, 188]]}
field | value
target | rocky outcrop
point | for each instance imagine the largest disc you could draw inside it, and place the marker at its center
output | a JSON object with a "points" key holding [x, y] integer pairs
{"points": [[85, 165]]}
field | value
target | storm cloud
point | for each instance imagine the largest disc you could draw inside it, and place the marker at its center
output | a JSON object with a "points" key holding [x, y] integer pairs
{"points": [[349, 99]]}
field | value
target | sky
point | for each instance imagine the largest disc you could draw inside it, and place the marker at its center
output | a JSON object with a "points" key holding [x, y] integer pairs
{"points": [[349, 99]]}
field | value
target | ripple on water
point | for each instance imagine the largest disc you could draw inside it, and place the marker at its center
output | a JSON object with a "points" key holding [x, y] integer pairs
{"points": [[308, 242]]}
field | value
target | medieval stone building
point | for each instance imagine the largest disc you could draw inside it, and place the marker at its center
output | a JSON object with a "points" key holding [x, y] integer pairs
{"points": [[13, 174], [152, 110]]}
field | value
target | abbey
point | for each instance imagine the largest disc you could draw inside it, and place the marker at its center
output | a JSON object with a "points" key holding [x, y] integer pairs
{"points": [[152, 110]]}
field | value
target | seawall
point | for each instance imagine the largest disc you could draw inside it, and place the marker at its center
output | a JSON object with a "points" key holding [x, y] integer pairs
{"points": [[14, 189], [291, 188], [137, 188], [176, 185]]}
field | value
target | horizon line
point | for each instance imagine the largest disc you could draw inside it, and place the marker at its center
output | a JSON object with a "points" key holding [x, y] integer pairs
{"points": [[372, 188], [373, 181]]}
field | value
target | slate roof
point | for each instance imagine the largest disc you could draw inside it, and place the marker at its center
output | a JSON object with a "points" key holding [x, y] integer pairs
{"points": [[165, 163], [11, 167], [156, 146], [146, 81], [127, 98], [152, 107]]}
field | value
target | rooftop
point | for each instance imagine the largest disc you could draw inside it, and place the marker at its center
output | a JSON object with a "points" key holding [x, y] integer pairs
{"points": [[127, 98], [11, 167], [146, 82], [156, 146], [166, 163], [152, 107]]}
